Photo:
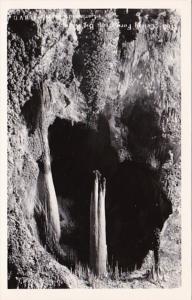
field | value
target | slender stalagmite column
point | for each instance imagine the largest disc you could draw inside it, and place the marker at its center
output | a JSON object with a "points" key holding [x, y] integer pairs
{"points": [[98, 247], [102, 246]]}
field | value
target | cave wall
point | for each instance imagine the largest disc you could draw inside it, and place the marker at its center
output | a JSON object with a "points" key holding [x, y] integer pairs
{"points": [[147, 79], [42, 45], [33, 47]]}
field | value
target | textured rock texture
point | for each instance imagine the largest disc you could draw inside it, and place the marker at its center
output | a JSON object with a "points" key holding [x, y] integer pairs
{"points": [[34, 38], [130, 77]]}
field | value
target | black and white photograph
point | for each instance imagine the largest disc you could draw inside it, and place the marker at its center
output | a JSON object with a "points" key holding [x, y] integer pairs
{"points": [[94, 123]]}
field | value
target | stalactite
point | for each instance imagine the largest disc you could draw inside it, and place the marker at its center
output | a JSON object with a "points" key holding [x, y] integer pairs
{"points": [[48, 197]]}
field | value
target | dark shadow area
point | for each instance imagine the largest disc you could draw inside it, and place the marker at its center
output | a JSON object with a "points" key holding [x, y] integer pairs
{"points": [[26, 29], [12, 281], [128, 30], [137, 207], [145, 134], [31, 109]]}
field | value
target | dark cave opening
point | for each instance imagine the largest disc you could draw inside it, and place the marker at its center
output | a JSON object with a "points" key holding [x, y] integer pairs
{"points": [[76, 151], [135, 203], [138, 209]]}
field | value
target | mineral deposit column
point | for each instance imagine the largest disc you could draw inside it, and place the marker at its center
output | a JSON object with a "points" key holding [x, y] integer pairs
{"points": [[50, 198], [102, 246], [98, 247]]}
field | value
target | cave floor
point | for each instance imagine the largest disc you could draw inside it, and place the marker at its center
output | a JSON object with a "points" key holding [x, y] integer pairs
{"points": [[137, 279], [170, 253]]}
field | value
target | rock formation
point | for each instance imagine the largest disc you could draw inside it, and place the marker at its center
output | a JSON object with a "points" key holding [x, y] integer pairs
{"points": [[84, 94]]}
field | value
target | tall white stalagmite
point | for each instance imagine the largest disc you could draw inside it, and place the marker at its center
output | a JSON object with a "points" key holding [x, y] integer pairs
{"points": [[98, 247], [102, 246]]}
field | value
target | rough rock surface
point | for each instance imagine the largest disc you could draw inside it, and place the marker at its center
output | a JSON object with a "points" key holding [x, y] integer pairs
{"points": [[139, 83], [31, 51]]}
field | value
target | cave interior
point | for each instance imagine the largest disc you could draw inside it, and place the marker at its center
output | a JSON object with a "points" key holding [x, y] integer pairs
{"points": [[133, 194]]}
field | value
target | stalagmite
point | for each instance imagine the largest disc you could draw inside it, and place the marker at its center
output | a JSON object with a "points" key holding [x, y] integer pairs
{"points": [[98, 247], [102, 247]]}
